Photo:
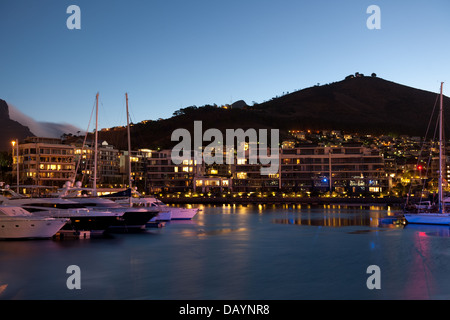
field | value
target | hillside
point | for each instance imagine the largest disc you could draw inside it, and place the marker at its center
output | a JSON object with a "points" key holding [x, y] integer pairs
{"points": [[9, 129], [362, 104], [366, 105]]}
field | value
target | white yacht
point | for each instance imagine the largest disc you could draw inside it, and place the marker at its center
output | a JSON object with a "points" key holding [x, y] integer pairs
{"points": [[117, 201], [174, 213], [18, 223], [81, 218]]}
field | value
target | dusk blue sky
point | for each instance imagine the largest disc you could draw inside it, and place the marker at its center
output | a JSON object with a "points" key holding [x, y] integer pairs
{"points": [[173, 54]]}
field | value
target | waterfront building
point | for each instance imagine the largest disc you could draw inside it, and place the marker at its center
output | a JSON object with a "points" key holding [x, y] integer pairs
{"points": [[165, 176], [347, 169], [138, 161], [335, 168], [351, 169], [44, 162], [108, 164]]}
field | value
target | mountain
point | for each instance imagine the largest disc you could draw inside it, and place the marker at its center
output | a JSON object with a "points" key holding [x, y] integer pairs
{"points": [[358, 104], [16, 125], [42, 129], [9, 129]]}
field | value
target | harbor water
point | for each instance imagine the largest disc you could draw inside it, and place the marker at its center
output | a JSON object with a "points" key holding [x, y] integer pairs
{"points": [[254, 252]]}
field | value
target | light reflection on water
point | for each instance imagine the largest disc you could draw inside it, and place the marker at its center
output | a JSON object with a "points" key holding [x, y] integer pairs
{"points": [[334, 220]]}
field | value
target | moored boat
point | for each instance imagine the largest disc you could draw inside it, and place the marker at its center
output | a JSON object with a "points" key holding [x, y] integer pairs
{"points": [[81, 218], [175, 213], [17, 223], [132, 218], [435, 214]]}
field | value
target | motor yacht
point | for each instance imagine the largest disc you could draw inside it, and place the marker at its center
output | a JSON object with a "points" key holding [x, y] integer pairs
{"points": [[18, 223]]}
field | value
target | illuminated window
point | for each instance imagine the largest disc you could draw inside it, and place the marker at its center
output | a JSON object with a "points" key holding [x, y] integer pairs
{"points": [[241, 175]]}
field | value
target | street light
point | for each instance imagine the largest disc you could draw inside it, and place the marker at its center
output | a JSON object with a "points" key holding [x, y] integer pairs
{"points": [[16, 143]]}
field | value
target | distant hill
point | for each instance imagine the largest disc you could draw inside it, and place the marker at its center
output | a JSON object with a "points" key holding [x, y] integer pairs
{"points": [[361, 104], [9, 129]]}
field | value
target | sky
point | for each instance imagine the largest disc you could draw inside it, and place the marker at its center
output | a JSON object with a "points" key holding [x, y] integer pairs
{"points": [[172, 54]]}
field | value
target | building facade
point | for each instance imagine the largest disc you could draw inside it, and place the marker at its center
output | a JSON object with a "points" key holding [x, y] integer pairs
{"points": [[344, 169], [44, 162]]}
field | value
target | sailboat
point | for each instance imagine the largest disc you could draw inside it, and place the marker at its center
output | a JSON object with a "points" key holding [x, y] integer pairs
{"points": [[131, 218], [437, 216], [133, 198]]}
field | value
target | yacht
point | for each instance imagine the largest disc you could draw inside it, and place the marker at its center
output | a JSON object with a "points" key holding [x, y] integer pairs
{"points": [[81, 218], [133, 217], [18, 223], [175, 213], [124, 218]]}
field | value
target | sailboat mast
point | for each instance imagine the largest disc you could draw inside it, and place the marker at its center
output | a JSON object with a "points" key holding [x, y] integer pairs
{"points": [[441, 154], [95, 146], [129, 143]]}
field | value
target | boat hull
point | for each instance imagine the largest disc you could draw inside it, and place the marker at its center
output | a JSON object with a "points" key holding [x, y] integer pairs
{"points": [[30, 228], [133, 220], [162, 216], [183, 213], [428, 218], [82, 220]]}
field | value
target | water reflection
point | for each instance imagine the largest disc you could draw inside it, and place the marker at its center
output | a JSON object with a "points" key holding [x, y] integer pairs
{"points": [[333, 220], [201, 233], [429, 230], [373, 219]]}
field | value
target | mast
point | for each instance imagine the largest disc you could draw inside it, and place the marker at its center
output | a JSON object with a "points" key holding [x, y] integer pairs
{"points": [[441, 154], [129, 146], [95, 146]]}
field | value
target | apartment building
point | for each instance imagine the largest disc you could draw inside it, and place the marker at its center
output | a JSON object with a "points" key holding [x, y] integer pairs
{"points": [[351, 169], [343, 169], [44, 162], [165, 176], [108, 164]]}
